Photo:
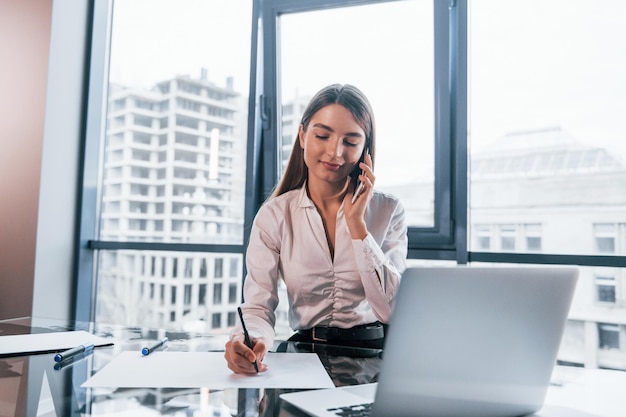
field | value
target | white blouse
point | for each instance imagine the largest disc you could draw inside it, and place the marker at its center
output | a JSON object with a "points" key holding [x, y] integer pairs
{"points": [[357, 287]]}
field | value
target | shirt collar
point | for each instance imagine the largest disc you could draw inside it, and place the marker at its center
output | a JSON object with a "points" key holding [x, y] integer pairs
{"points": [[304, 200]]}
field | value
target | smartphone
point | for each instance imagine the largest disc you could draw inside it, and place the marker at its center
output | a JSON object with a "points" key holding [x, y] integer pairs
{"points": [[355, 175]]}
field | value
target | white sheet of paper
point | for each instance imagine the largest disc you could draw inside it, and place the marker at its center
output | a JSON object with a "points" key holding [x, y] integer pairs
{"points": [[48, 342], [208, 369]]}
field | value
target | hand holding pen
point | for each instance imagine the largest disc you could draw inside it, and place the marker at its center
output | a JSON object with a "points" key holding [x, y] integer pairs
{"points": [[245, 356], [246, 336]]}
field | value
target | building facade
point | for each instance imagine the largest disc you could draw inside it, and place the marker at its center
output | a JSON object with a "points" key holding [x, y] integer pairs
{"points": [[174, 171], [541, 191]]}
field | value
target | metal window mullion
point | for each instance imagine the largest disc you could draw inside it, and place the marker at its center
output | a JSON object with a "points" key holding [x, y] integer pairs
{"points": [[95, 122], [549, 259], [164, 246], [459, 110]]}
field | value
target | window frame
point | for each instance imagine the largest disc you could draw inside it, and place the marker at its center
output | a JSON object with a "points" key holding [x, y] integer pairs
{"points": [[461, 7], [96, 103], [446, 239]]}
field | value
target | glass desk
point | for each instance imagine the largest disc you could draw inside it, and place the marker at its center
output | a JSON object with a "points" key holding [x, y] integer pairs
{"points": [[35, 385]]}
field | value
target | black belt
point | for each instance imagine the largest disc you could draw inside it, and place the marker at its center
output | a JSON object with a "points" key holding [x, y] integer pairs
{"points": [[372, 331]]}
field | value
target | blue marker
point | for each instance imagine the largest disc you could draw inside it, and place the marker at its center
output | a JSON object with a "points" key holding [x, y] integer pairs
{"points": [[70, 353], [146, 351]]}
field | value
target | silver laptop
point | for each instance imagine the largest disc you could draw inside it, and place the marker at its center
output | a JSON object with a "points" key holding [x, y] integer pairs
{"points": [[463, 341]]}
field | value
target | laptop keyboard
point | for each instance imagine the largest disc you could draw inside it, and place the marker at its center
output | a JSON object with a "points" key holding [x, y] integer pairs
{"points": [[357, 410]]}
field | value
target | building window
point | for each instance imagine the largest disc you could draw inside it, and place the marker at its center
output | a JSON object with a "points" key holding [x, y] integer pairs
{"points": [[604, 237], [201, 294], [188, 267], [217, 293], [608, 335], [141, 138], [219, 268], [482, 235], [232, 293], [203, 268], [143, 121], [511, 237], [187, 294], [231, 319], [507, 238], [188, 105], [143, 104], [532, 234], [216, 320], [605, 287], [234, 267]]}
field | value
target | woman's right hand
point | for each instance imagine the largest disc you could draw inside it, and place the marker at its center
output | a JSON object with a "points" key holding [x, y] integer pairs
{"points": [[355, 210], [241, 358]]}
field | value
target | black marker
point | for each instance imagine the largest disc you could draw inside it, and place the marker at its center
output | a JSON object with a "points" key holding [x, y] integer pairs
{"points": [[70, 353], [247, 336], [147, 350]]}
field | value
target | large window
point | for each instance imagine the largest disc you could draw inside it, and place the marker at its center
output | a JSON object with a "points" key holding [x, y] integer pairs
{"points": [[498, 127], [403, 67], [547, 160], [172, 162], [546, 93], [393, 65]]}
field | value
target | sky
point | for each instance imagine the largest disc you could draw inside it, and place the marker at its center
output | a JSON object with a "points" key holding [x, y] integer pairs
{"points": [[156, 39], [549, 63], [153, 40], [533, 64]]}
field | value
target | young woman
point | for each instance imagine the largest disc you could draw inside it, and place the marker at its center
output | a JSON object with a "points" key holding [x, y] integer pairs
{"points": [[339, 246]]}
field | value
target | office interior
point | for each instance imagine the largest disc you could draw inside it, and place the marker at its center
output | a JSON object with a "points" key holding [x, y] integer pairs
{"points": [[53, 50]]}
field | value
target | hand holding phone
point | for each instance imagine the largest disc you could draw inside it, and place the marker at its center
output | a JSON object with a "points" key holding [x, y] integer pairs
{"points": [[359, 188]]}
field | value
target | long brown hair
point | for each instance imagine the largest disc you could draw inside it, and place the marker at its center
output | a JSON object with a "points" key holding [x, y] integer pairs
{"points": [[347, 96]]}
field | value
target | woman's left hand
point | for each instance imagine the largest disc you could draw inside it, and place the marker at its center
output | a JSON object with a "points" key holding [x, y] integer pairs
{"points": [[354, 208]]}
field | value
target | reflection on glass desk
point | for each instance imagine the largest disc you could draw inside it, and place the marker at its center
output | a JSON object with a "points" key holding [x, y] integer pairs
{"points": [[35, 385]]}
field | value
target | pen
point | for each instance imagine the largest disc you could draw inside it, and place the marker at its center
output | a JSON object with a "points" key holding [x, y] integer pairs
{"points": [[147, 350], [247, 336], [70, 353]]}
